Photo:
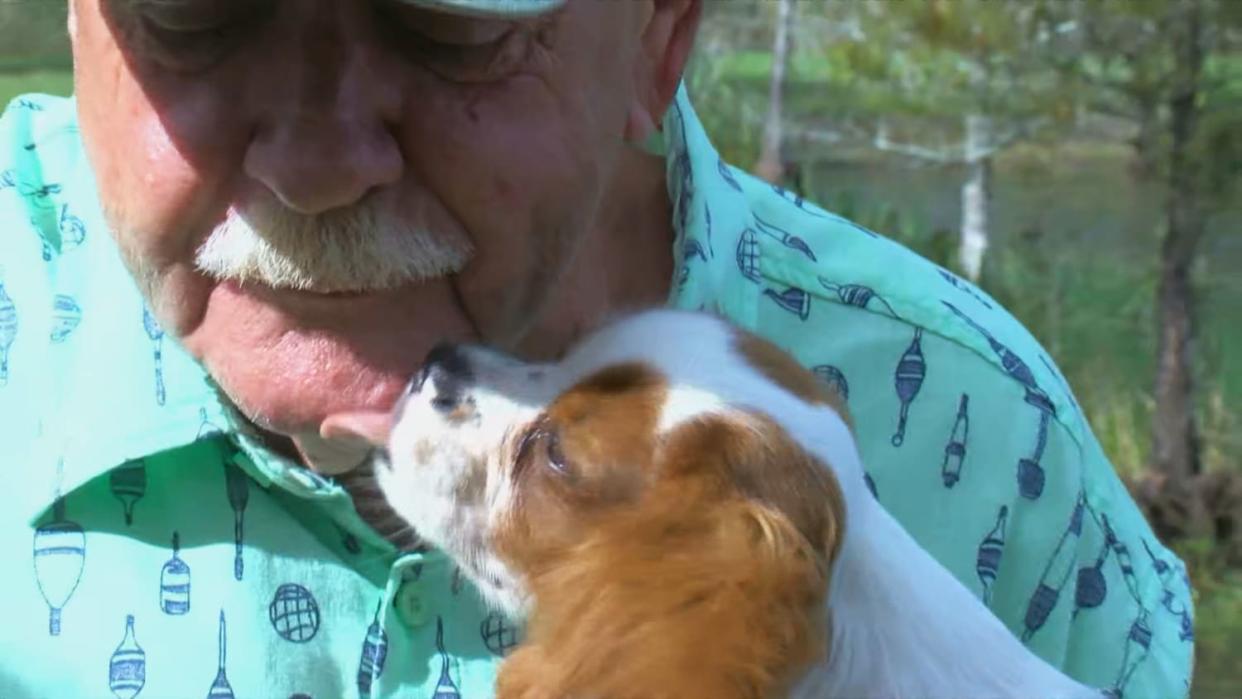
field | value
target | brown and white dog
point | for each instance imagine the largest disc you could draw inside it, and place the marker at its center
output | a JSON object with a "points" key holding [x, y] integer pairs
{"points": [[678, 509]]}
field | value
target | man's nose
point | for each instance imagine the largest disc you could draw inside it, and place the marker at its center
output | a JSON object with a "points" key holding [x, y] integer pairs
{"points": [[331, 109], [315, 163], [445, 377]]}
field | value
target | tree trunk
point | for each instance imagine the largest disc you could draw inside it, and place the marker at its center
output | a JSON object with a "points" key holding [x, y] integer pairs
{"points": [[975, 195], [1175, 439], [771, 165], [1146, 140]]}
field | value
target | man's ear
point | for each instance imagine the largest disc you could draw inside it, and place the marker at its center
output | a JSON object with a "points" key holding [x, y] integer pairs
{"points": [[667, 37]]}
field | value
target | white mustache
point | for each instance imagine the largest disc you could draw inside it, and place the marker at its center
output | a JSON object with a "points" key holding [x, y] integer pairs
{"points": [[356, 249]]}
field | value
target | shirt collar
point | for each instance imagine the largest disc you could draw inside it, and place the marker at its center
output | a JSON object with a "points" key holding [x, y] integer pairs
{"points": [[712, 219]]}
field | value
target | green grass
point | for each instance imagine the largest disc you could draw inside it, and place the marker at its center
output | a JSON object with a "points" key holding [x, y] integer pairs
{"points": [[1218, 641], [52, 82], [1218, 623]]}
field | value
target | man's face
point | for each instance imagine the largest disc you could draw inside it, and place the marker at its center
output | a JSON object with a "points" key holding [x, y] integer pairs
{"points": [[292, 181]]}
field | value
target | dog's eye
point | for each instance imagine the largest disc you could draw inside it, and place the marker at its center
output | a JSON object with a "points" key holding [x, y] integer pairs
{"points": [[556, 458]]}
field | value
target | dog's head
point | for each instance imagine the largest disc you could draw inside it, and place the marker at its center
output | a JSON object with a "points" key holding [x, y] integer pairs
{"points": [[672, 489]]}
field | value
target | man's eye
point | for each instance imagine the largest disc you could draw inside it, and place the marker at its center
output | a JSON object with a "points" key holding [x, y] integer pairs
{"points": [[188, 18], [182, 36], [195, 34], [455, 48]]}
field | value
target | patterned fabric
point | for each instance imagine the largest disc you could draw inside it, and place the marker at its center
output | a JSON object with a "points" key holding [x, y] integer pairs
{"points": [[150, 535]]}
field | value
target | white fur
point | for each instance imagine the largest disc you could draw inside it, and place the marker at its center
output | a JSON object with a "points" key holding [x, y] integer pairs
{"points": [[901, 624]]}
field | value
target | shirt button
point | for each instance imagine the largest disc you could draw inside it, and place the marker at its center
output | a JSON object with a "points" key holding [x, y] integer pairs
{"points": [[412, 606]]}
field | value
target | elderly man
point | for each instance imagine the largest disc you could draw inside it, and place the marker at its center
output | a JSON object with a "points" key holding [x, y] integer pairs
{"points": [[254, 215]]}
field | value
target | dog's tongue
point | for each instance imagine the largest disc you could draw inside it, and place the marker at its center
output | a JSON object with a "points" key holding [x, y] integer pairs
{"points": [[370, 426]]}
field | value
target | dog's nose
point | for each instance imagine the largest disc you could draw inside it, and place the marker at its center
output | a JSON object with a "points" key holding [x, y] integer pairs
{"points": [[446, 374]]}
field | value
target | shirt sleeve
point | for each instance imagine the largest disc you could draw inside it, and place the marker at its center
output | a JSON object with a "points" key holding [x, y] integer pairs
{"points": [[1001, 481]]}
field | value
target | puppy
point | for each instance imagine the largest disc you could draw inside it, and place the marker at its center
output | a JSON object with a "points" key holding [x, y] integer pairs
{"points": [[678, 510]]}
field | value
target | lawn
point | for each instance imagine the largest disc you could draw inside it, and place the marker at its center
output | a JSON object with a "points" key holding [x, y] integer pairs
{"points": [[52, 82]]}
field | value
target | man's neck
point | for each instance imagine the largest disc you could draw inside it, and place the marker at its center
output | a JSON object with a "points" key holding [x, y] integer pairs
{"points": [[625, 262]]}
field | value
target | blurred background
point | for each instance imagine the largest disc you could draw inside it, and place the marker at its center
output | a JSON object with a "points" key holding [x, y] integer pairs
{"points": [[1080, 159]]}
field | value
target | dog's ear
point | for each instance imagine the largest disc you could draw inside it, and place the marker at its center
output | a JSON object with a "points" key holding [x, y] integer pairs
{"points": [[696, 597]]}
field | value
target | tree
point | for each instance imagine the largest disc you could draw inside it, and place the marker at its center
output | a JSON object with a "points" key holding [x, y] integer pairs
{"points": [[978, 68], [771, 165], [1150, 62], [33, 34]]}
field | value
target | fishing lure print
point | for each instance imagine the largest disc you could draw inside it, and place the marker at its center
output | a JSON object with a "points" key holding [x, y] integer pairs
{"points": [[37, 195], [59, 557], [955, 449], [8, 332], [792, 299], [785, 238], [1031, 476], [156, 334], [962, 286], [237, 486], [835, 379], [857, 295], [445, 687], [175, 582], [1056, 573], [220, 687], [726, 174], [908, 380], [127, 668], [374, 653], [988, 557], [128, 483], [66, 315]]}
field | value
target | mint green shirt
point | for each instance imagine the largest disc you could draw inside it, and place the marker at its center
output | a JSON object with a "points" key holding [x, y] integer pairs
{"points": [[154, 549]]}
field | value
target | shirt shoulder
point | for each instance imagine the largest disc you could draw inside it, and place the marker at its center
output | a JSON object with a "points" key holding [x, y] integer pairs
{"points": [[965, 424], [76, 338], [808, 260], [40, 155]]}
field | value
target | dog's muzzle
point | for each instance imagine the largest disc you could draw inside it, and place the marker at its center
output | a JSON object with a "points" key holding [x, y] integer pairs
{"points": [[445, 378]]}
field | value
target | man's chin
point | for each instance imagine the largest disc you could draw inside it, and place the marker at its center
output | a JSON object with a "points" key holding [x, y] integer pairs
{"points": [[293, 407], [290, 359]]}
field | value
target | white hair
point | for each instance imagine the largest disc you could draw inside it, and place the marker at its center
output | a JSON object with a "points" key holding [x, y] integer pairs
{"points": [[359, 248]]}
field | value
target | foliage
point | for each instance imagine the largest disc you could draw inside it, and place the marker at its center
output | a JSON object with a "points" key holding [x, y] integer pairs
{"points": [[52, 82], [33, 35], [1218, 622]]}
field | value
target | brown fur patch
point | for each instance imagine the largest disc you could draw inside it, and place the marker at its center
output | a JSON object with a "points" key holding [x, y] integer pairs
{"points": [[710, 582], [605, 429], [784, 371]]}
